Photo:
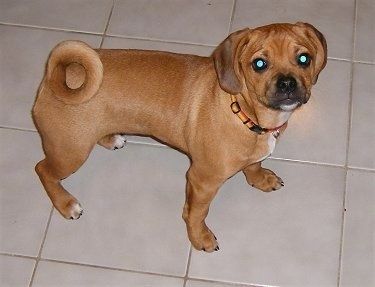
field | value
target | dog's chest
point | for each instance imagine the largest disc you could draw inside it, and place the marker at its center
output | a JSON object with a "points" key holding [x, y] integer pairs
{"points": [[267, 146]]}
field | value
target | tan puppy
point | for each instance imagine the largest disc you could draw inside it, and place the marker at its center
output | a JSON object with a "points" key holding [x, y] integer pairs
{"points": [[225, 111]]}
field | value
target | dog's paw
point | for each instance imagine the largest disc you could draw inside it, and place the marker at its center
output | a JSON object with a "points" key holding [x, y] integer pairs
{"points": [[75, 211], [113, 142], [267, 181], [119, 141], [204, 241], [72, 210]]}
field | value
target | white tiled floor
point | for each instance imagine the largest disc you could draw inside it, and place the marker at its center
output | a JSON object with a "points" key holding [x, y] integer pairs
{"points": [[318, 231]]}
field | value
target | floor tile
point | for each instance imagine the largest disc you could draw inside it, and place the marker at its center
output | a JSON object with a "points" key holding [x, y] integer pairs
{"points": [[318, 131], [333, 18], [132, 200], [15, 271], [365, 44], [24, 52], [203, 22], [358, 268], [24, 207], [362, 136], [50, 274], [287, 238], [83, 15]]}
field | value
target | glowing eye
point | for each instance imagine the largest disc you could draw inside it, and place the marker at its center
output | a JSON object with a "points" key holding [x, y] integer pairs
{"points": [[259, 65], [304, 60]]}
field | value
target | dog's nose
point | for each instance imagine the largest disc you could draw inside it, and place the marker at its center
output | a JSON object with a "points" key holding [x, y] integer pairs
{"points": [[286, 84]]}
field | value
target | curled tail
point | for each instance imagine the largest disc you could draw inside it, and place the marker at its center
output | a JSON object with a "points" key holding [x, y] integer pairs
{"points": [[74, 72]]}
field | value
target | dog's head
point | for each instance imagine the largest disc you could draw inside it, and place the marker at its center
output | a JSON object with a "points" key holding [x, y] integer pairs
{"points": [[277, 64]]}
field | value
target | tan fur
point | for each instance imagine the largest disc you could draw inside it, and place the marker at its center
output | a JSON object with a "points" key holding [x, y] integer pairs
{"points": [[87, 96]]}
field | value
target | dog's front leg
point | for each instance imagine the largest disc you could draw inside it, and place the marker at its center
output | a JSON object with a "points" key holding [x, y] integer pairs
{"points": [[200, 191], [262, 178]]}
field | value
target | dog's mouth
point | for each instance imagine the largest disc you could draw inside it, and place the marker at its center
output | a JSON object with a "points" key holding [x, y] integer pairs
{"points": [[287, 102]]}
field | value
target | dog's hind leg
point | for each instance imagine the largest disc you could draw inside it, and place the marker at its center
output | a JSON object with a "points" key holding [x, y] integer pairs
{"points": [[57, 166], [113, 141]]}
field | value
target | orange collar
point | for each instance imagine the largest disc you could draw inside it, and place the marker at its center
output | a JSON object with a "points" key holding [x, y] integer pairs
{"points": [[236, 109]]}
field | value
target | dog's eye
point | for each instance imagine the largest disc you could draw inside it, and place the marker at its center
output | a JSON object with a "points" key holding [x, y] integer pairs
{"points": [[304, 60], [259, 65]]}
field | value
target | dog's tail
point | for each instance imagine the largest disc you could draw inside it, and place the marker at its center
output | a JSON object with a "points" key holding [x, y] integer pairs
{"points": [[74, 72]]}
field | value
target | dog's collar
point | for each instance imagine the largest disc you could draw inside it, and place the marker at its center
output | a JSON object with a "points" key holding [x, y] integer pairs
{"points": [[236, 109]]}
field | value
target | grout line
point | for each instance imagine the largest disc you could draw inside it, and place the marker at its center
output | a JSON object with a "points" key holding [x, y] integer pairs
{"points": [[225, 283], [186, 277], [107, 25], [160, 40], [232, 16], [110, 268], [323, 164], [17, 255], [364, 169], [18, 129], [363, 62], [351, 61], [349, 123], [38, 258], [55, 29]]}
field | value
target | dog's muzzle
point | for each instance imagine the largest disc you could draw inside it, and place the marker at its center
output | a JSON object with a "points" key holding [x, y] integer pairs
{"points": [[288, 94]]}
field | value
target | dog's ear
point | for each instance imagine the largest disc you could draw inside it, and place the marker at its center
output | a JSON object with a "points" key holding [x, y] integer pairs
{"points": [[226, 59], [320, 44]]}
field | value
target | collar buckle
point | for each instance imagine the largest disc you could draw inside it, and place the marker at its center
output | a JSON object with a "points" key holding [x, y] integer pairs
{"points": [[257, 129]]}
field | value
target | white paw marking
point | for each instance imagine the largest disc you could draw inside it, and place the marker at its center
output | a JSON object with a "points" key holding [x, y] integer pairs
{"points": [[76, 211], [119, 141]]}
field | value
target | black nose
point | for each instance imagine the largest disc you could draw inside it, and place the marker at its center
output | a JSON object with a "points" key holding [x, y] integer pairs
{"points": [[286, 84]]}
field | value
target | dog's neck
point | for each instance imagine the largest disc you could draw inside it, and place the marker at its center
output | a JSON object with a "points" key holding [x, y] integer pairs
{"points": [[259, 119]]}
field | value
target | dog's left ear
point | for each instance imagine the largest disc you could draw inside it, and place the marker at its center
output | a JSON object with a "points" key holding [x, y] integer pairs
{"points": [[226, 59], [320, 44]]}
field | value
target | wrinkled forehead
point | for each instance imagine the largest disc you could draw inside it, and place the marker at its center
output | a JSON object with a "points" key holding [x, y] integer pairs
{"points": [[278, 40]]}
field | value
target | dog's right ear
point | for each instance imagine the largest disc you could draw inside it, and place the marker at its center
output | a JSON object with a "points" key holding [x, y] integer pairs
{"points": [[226, 59]]}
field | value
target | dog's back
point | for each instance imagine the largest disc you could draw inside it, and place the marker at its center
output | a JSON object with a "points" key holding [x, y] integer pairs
{"points": [[120, 91]]}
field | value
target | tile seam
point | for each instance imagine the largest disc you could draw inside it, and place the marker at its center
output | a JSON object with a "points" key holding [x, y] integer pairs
{"points": [[38, 257], [96, 266], [232, 16], [107, 24], [186, 277], [347, 151], [45, 28]]}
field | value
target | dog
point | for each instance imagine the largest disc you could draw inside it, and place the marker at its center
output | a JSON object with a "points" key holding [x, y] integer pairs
{"points": [[225, 112]]}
